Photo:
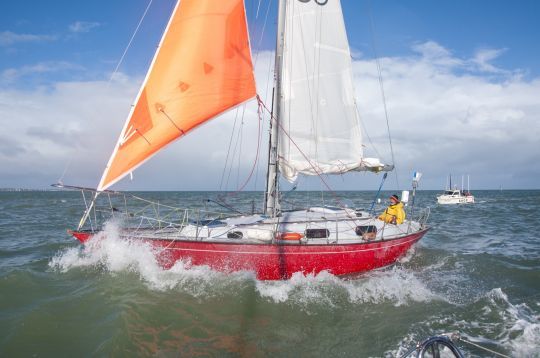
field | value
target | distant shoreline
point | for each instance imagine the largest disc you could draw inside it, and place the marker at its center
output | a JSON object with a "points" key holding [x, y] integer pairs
{"points": [[23, 189], [7, 190]]}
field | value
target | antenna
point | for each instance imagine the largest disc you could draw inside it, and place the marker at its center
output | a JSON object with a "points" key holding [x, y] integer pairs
{"points": [[415, 181]]}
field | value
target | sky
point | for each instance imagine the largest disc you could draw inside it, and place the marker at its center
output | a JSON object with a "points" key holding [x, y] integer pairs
{"points": [[461, 83]]}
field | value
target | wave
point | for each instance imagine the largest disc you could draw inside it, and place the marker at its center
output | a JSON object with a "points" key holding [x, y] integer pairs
{"points": [[520, 328], [396, 285], [497, 325]]}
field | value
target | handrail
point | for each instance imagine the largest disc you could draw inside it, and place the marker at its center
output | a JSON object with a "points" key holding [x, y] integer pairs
{"points": [[164, 215]]}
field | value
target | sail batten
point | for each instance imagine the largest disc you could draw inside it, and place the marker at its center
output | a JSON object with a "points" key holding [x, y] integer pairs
{"points": [[201, 69]]}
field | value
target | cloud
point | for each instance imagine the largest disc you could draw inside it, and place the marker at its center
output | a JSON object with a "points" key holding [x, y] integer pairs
{"points": [[83, 26], [10, 147], [436, 54], [443, 119], [483, 57], [72, 121], [433, 53], [12, 74], [8, 38]]}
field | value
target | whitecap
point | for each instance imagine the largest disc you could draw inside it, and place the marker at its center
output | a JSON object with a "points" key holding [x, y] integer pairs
{"points": [[396, 285]]}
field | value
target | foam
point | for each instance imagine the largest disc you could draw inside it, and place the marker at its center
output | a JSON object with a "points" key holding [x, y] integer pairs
{"points": [[108, 251], [521, 330], [499, 325], [396, 285]]}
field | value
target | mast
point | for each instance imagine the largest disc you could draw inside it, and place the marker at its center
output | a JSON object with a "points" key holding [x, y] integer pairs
{"points": [[271, 200]]}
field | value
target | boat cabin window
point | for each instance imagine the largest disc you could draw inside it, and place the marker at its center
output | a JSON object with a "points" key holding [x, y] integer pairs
{"points": [[235, 235], [317, 233], [368, 232]]}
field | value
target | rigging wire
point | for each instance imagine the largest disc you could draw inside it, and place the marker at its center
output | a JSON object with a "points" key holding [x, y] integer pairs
{"points": [[240, 188], [366, 131], [129, 43], [239, 135], [235, 147], [246, 181], [381, 85], [258, 7], [240, 139], [229, 149]]}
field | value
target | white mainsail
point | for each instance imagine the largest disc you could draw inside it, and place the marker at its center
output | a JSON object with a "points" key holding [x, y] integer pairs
{"points": [[321, 131]]}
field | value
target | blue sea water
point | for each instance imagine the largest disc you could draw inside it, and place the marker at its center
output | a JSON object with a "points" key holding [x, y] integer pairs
{"points": [[476, 272]]}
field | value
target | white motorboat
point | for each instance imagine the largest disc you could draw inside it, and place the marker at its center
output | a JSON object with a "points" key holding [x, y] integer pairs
{"points": [[455, 195]]}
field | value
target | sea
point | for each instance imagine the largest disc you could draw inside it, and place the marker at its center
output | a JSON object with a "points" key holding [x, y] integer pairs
{"points": [[477, 273]]}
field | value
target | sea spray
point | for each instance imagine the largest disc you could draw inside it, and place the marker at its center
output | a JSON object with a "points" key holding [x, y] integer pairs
{"points": [[108, 252], [520, 330], [396, 285]]}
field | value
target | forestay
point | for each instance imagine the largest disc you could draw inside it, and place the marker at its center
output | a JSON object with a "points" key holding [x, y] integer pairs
{"points": [[320, 125]]}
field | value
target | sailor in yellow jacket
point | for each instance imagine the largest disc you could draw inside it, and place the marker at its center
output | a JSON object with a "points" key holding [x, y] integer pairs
{"points": [[394, 214]]}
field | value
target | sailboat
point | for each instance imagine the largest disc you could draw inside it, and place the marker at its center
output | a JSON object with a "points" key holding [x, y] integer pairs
{"points": [[203, 68]]}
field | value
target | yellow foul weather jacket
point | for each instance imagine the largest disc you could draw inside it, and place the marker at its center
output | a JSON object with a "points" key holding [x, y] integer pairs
{"points": [[393, 212]]}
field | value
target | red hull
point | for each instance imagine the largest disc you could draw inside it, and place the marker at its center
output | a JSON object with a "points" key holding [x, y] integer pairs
{"points": [[274, 262]]}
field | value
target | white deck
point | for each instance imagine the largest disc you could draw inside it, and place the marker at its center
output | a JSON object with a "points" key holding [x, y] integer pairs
{"points": [[252, 229]]}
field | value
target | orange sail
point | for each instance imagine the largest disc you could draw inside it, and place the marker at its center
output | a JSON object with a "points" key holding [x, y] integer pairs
{"points": [[202, 68]]}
